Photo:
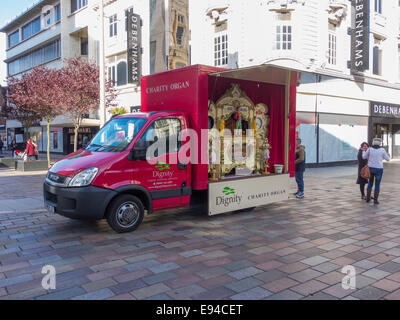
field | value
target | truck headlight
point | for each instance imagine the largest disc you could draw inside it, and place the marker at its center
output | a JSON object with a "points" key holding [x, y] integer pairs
{"points": [[84, 178]]}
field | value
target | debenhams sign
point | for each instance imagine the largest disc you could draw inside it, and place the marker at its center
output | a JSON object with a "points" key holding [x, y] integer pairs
{"points": [[360, 35], [134, 49]]}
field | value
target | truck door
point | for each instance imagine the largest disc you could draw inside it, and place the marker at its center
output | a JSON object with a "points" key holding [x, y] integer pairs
{"points": [[167, 179]]}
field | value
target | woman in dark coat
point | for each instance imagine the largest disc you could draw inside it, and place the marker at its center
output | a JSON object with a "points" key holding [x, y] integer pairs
{"points": [[361, 164]]}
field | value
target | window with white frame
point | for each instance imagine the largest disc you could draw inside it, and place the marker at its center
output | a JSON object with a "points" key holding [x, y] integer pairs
{"points": [[78, 4], [332, 44], [378, 6], [113, 26], [221, 50], [283, 37], [112, 75]]}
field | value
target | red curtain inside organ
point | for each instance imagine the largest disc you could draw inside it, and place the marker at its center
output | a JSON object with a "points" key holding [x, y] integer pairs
{"points": [[270, 94]]}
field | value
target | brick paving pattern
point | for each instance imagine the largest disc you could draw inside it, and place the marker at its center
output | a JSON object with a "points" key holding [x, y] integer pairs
{"points": [[288, 251]]}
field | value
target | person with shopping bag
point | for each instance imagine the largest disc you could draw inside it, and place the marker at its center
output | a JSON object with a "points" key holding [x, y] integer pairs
{"points": [[375, 156], [362, 179], [30, 150]]}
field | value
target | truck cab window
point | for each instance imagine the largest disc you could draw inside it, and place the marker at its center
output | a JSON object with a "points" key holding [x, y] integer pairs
{"points": [[165, 133]]}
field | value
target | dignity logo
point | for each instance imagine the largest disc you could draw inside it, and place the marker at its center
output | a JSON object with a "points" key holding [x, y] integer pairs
{"points": [[163, 171], [230, 197]]}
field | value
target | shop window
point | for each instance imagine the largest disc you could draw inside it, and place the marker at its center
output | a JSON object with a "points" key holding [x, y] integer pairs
{"points": [[340, 137], [306, 130]]}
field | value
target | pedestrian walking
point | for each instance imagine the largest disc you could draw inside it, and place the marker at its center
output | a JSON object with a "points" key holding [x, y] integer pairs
{"points": [[13, 147], [30, 150], [361, 164], [375, 156], [300, 168], [36, 150]]}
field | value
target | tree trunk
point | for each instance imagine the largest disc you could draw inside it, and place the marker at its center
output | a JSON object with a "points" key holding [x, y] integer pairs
{"points": [[76, 129], [48, 143]]}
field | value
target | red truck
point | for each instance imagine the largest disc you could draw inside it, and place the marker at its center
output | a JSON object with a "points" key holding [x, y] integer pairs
{"points": [[114, 178]]}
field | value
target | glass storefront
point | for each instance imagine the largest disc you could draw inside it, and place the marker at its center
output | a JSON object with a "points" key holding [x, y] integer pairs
{"points": [[331, 138]]}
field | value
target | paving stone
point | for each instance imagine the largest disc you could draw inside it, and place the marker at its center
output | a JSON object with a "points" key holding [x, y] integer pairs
{"points": [[153, 290], [245, 273], [160, 277], [261, 250], [192, 253], [143, 257], [338, 291], [376, 274], [370, 293], [366, 264], [305, 275], [220, 293], [141, 265], [271, 275], [387, 285], [298, 240], [238, 265], [212, 272], [280, 285], [244, 285], [257, 293], [64, 294], [310, 287], [391, 267], [11, 281], [314, 261], [96, 295], [185, 293], [326, 267], [286, 295], [126, 287], [98, 285]]}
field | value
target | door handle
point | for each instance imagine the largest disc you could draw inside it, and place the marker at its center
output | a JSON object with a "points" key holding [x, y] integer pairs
{"points": [[182, 166]]}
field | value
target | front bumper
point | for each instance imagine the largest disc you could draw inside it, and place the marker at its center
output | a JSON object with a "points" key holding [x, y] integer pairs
{"points": [[88, 203]]}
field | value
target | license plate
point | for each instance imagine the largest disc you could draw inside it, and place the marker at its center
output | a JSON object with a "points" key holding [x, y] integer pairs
{"points": [[50, 208]]}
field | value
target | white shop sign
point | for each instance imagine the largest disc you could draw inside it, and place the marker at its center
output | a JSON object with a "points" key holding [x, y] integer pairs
{"points": [[232, 195]]}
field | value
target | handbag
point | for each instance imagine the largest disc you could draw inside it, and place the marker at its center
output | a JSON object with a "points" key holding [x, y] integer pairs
{"points": [[365, 172]]}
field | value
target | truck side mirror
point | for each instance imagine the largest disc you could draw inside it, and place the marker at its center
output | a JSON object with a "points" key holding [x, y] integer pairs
{"points": [[139, 151]]}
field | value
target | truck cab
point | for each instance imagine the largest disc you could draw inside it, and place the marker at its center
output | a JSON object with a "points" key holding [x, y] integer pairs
{"points": [[114, 178]]}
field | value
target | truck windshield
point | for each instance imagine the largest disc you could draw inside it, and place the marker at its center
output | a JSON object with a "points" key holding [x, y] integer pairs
{"points": [[116, 135]]}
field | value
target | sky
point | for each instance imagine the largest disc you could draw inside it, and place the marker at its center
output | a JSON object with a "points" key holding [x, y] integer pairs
{"points": [[11, 8]]}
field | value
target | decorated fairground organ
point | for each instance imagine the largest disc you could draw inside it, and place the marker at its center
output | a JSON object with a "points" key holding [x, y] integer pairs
{"points": [[238, 136]]}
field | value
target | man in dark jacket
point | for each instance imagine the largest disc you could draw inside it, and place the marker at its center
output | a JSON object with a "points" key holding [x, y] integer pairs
{"points": [[300, 168]]}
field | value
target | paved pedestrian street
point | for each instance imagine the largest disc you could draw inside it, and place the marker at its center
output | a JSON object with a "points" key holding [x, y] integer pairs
{"points": [[291, 250]]}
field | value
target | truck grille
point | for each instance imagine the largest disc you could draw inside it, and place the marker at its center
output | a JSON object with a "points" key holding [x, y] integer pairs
{"points": [[56, 178]]}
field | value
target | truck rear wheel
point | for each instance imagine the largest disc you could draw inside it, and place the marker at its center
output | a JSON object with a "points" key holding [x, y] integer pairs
{"points": [[125, 214]]}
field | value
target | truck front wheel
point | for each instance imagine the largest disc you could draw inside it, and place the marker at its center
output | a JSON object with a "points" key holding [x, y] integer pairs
{"points": [[125, 213]]}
